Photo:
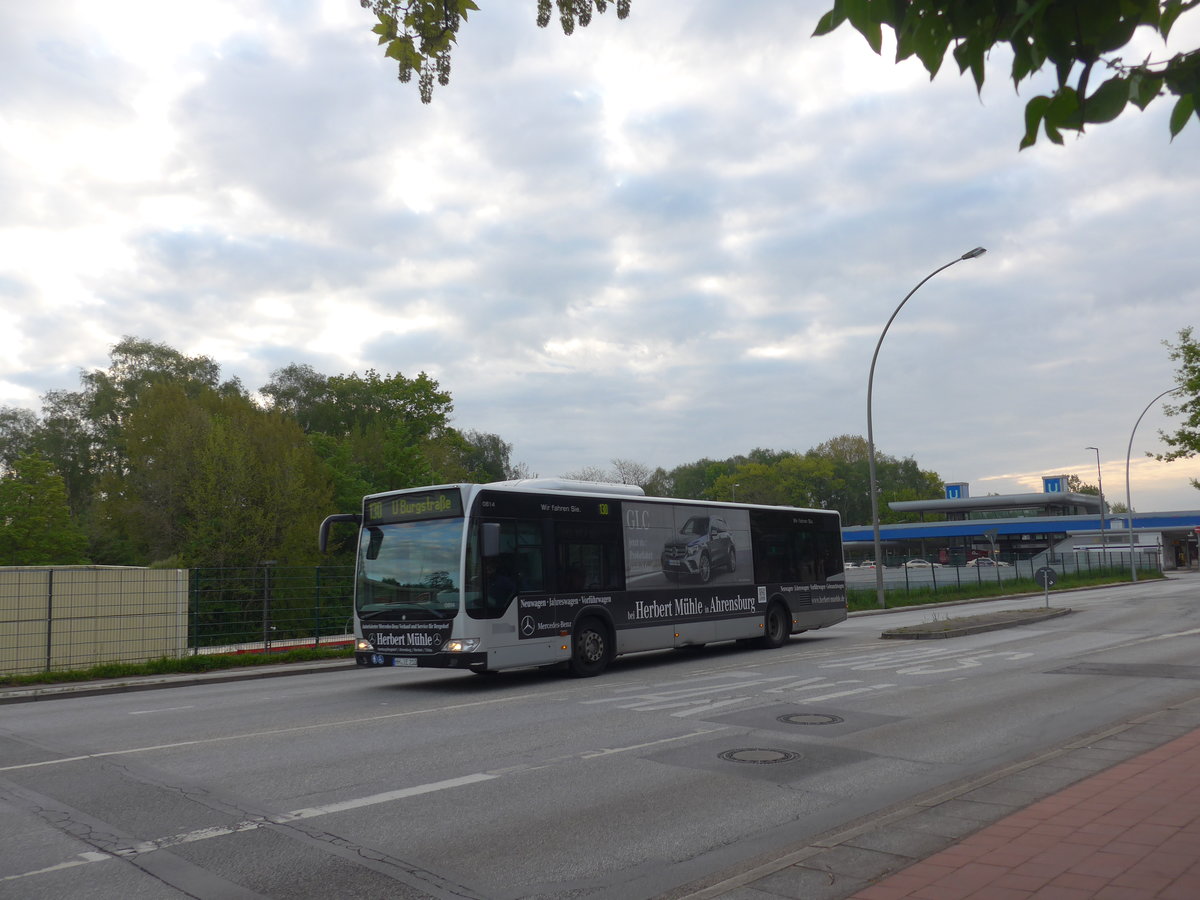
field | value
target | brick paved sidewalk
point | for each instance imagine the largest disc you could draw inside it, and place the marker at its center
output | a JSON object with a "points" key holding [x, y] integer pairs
{"points": [[1127, 833]]}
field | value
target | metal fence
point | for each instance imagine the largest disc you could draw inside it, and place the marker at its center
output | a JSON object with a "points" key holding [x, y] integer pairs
{"points": [[947, 577], [269, 607], [74, 617]]}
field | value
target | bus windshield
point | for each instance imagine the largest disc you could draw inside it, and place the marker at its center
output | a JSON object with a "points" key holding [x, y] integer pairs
{"points": [[410, 568]]}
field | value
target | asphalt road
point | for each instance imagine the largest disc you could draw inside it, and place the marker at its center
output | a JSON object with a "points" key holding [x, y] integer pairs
{"points": [[672, 770]]}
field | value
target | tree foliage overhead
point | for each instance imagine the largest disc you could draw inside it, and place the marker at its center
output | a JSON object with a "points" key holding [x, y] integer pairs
{"points": [[1082, 40], [1185, 440], [419, 34]]}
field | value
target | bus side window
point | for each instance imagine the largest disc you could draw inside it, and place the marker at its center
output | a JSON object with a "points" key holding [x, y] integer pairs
{"points": [[529, 556], [589, 557]]}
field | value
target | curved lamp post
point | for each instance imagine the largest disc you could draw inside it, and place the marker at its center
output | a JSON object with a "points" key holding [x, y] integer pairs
{"points": [[1100, 489], [873, 487], [1128, 500]]}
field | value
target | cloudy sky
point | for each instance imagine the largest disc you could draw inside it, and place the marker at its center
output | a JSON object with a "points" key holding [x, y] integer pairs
{"points": [[666, 238]]}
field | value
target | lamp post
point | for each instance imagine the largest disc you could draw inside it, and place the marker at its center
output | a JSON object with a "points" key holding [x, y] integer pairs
{"points": [[1100, 488], [735, 487], [1128, 499], [873, 486]]}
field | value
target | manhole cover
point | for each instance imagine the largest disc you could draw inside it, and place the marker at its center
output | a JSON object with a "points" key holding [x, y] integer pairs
{"points": [[810, 719], [759, 757]]}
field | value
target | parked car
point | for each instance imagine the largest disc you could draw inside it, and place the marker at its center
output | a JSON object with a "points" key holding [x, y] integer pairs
{"points": [[986, 562], [921, 564]]}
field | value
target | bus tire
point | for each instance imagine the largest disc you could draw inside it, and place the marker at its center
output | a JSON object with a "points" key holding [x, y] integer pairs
{"points": [[591, 648], [777, 627]]}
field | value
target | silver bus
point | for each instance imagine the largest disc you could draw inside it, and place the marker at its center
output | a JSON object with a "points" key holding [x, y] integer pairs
{"points": [[549, 572]]}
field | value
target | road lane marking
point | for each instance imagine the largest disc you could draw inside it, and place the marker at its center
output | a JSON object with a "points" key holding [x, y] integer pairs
{"points": [[272, 732], [81, 860], [256, 822]]}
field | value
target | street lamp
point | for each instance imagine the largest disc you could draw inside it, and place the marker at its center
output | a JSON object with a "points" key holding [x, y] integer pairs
{"points": [[735, 487], [1100, 488], [1128, 499], [873, 486]]}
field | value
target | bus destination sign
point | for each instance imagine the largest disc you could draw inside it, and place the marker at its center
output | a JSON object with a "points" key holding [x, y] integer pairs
{"points": [[442, 504]]}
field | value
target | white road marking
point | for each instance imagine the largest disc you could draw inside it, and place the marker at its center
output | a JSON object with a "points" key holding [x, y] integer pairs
{"points": [[709, 707], [312, 812], [81, 860], [341, 723], [150, 712]]}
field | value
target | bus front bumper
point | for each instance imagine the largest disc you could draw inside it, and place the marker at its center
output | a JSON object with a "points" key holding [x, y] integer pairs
{"points": [[422, 661]]}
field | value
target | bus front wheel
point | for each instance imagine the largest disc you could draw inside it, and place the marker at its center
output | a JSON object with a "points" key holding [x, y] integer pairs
{"points": [[591, 649], [777, 627]]}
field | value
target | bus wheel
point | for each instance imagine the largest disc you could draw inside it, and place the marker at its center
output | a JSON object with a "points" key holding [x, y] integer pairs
{"points": [[777, 627], [590, 649], [705, 570]]}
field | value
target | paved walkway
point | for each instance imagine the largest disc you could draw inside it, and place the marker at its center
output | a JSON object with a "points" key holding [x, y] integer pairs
{"points": [[1112, 816], [1128, 833]]}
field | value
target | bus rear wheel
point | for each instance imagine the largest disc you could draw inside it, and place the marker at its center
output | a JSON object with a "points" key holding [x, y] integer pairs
{"points": [[777, 627], [591, 649]]}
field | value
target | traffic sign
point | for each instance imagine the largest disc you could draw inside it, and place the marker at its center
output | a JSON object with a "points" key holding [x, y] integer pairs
{"points": [[1046, 576]]}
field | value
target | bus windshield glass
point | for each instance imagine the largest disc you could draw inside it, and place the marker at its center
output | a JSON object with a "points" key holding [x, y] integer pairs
{"points": [[410, 568]]}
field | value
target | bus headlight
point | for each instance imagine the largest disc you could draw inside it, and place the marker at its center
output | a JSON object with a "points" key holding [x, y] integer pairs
{"points": [[364, 644], [461, 645]]}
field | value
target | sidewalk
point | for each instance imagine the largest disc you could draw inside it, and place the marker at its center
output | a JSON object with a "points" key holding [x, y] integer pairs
{"points": [[1130, 829], [154, 682]]}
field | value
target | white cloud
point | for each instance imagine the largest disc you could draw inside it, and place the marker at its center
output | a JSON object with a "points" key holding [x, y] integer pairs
{"points": [[665, 238]]}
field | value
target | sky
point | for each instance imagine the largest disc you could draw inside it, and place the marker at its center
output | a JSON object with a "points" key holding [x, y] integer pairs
{"points": [[673, 237]]}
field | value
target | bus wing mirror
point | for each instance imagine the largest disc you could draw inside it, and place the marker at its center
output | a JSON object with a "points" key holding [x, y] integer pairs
{"points": [[374, 541], [323, 536], [489, 536]]}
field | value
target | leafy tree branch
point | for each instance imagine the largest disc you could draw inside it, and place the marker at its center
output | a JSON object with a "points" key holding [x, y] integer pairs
{"points": [[420, 34], [1081, 40]]}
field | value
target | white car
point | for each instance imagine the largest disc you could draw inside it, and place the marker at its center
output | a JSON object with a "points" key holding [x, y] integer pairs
{"points": [[986, 562], [921, 564]]}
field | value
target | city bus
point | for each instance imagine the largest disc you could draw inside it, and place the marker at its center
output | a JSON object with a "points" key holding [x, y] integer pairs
{"points": [[551, 572]]}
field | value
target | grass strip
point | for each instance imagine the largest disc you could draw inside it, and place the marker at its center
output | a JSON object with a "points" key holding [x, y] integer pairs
{"points": [[178, 666]]}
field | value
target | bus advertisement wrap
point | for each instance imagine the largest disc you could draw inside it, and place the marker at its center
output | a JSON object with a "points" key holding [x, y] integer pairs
{"points": [[665, 544], [407, 637]]}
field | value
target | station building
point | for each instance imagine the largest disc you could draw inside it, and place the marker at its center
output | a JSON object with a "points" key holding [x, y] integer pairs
{"points": [[959, 528]]}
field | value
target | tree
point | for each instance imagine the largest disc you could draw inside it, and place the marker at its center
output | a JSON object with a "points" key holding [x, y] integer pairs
{"points": [[213, 480], [1185, 440], [17, 429], [623, 471], [1081, 39], [488, 457], [419, 34], [832, 475], [1077, 485], [36, 527]]}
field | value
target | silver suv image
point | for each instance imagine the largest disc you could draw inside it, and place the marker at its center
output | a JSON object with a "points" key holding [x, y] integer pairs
{"points": [[703, 544]]}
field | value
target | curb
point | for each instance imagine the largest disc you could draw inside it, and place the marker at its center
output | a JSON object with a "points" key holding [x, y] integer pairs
{"points": [[92, 689], [917, 634]]}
